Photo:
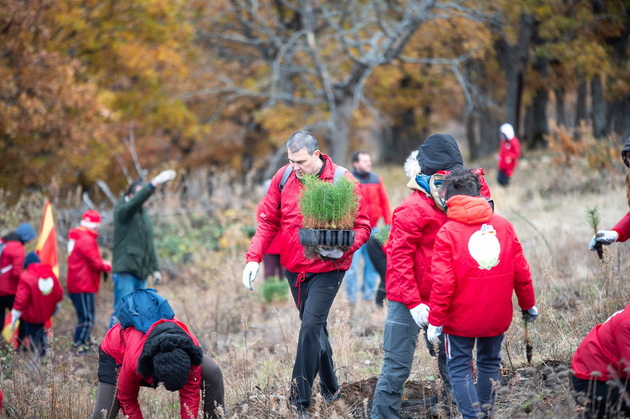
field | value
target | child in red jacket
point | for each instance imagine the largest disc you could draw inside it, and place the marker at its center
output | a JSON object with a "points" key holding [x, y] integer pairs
{"points": [[84, 276], [509, 153], [168, 353], [604, 357], [36, 300], [477, 263]]}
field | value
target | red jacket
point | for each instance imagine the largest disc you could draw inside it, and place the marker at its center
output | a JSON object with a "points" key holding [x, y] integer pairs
{"points": [[477, 263], [376, 199], [125, 346], [276, 245], [281, 215], [38, 293], [606, 349], [84, 262], [509, 153], [623, 228], [11, 266]]}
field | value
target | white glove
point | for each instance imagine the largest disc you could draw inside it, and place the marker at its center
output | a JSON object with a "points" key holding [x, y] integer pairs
{"points": [[157, 278], [603, 237], [331, 254], [15, 316], [249, 274], [433, 333], [530, 315], [163, 177], [420, 314]]}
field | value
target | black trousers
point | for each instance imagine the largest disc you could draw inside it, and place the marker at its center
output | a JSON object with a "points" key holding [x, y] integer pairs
{"points": [[379, 260], [6, 303], [604, 401], [313, 295]]}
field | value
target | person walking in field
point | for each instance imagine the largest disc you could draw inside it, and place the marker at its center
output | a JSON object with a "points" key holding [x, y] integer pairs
{"points": [[38, 294], [409, 277], [477, 264], [621, 231], [84, 276], [167, 353], [134, 251], [601, 368], [12, 256], [509, 153], [377, 203], [314, 282]]}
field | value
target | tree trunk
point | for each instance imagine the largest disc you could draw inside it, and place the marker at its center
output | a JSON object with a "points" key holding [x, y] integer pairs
{"points": [[599, 108], [580, 110], [539, 108], [560, 108], [471, 135], [340, 131], [488, 132]]}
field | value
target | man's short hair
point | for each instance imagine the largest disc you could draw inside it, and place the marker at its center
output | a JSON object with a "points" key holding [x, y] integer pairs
{"points": [[355, 156], [461, 182], [134, 185], [302, 139]]}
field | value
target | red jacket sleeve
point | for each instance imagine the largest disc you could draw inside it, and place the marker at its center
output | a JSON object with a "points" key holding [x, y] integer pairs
{"points": [[403, 242], [129, 387], [17, 260], [189, 394], [22, 296], [523, 285], [623, 228], [89, 249], [444, 281], [268, 221], [385, 207]]}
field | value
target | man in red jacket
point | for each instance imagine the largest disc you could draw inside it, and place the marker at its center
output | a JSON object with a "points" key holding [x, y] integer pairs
{"points": [[38, 294], [11, 264], [509, 153], [604, 357], [377, 203], [168, 353], [314, 282], [84, 276], [477, 264]]}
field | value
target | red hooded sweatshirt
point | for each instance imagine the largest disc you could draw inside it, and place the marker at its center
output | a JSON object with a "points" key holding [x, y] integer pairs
{"points": [[125, 346], [38, 293], [477, 264], [281, 215], [84, 262], [605, 351]]}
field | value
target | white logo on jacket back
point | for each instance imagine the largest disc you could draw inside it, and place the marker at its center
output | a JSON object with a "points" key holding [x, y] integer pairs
{"points": [[45, 285], [484, 247]]}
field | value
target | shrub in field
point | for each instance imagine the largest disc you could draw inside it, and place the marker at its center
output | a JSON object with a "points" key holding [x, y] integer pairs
{"points": [[274, 289]]}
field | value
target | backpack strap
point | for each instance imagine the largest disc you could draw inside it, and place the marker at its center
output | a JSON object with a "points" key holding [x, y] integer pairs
{"points": [[285, 176]]}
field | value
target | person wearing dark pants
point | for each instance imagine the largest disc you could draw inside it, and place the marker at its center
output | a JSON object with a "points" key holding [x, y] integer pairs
{"points": [[379, 260], [84, 306], [314, 297], [314, 281]]}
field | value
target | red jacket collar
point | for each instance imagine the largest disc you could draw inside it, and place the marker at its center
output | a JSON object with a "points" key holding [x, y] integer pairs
{"points": [[468, 209]]}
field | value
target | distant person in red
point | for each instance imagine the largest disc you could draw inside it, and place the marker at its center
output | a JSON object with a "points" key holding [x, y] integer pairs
{"points": [[11, 264], [38, 294], [601, 367], [84, 276], [271, 259], [509, 153], [168, 353]]}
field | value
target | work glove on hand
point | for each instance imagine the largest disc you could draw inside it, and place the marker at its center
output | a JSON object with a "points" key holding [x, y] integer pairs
{"points": [[603, 237], [530, 315], [15, 316], [249, 274], [157, 278], [163, 177], [420, 314], [433, 333], [331, 254]]}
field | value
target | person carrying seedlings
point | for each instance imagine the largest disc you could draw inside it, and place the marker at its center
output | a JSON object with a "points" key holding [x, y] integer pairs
{"points": [[477, 264], [509, 153], [11, 264], [38, 295], [377, 204], [621, 231], [84, 276], [134, 251], [167, 353], [314, 282], [601, 368], [415, 224]]}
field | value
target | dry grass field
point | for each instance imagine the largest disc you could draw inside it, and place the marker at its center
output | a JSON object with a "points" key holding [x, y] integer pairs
{"points": [[254, 340]]}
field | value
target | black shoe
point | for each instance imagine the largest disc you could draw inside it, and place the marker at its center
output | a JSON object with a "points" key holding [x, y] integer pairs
{"points": [[329, 398]]}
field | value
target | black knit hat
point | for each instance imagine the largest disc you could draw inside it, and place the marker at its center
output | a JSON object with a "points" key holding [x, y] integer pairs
{"points": [[167, 356], [439, 152], [625, 152]]}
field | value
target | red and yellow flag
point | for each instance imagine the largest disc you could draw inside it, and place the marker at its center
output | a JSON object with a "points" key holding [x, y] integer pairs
{"points": [[47, 244]]}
